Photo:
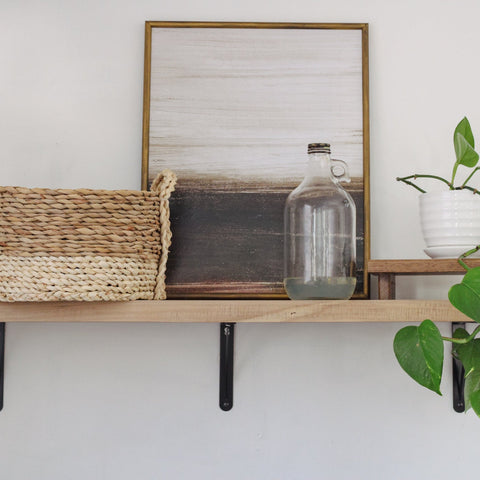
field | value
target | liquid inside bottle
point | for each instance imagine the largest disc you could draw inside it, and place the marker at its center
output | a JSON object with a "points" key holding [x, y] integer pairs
{"points": [[326, 288], [320, 234]]}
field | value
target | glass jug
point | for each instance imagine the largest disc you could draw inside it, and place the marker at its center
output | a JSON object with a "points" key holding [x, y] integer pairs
{"points": [[320, 233]]}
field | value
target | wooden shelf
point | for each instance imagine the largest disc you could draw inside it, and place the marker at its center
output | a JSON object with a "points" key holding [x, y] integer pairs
{"points": [[240, 311]]}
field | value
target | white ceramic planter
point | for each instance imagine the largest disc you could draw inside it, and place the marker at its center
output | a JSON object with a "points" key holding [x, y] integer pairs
{"points": [[450, 222]]}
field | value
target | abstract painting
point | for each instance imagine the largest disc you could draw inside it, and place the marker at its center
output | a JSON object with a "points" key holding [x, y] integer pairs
{"points": [[231, 108]]}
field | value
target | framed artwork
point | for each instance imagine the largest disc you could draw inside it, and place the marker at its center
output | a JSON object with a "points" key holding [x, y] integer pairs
{"points": [[231, 108]]}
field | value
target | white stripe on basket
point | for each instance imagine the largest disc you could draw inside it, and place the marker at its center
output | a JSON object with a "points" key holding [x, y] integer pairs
{"points": [[76, 278]]}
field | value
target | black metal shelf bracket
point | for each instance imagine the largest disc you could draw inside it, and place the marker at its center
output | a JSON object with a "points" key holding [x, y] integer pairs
{"points": [[2, 361], [458, 377], [226, 365]]}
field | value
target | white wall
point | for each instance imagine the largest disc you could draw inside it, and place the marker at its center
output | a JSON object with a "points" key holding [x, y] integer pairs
{"points": [[311, 401]]}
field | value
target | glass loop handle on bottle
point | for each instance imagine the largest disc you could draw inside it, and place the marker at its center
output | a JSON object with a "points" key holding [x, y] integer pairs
{"points": [[339, 171]]}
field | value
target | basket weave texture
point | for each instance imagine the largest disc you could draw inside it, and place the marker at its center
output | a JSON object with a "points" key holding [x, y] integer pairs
{"points": [[84, 244]]}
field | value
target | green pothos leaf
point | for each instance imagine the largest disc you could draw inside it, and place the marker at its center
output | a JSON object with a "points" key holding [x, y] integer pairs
{"points": [[419, 351], [475, 402], [465, 129], [465, 296]]}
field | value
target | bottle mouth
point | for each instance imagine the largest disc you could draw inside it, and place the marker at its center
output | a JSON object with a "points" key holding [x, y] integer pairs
{"points": [[318, 148]]}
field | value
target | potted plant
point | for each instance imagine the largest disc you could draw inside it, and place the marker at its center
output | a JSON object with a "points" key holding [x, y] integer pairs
{"points": [[449, 218], [420, 350]]}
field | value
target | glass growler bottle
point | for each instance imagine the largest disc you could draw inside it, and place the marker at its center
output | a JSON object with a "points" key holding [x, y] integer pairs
{"points": [[320, 233]]}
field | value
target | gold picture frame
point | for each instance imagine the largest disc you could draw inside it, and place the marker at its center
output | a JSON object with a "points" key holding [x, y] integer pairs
{"points": [[230, 107]]}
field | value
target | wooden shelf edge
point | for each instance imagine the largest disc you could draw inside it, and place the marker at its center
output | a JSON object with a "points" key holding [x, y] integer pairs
{"points": [[420, 266], [240, 311]]}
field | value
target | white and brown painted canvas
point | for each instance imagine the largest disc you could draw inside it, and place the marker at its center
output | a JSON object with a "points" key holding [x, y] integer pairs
{"points": [[231, 108]]}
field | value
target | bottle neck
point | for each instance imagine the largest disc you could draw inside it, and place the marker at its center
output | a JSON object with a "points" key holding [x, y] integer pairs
{"points": [[319, 166]]}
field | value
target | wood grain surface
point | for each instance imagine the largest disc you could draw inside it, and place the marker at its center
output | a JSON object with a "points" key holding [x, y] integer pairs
{"points": [[248, 311], [421, 266]]}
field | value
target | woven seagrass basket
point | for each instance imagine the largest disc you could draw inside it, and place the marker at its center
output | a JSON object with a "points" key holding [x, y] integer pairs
{"points": [[84, 244]]}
